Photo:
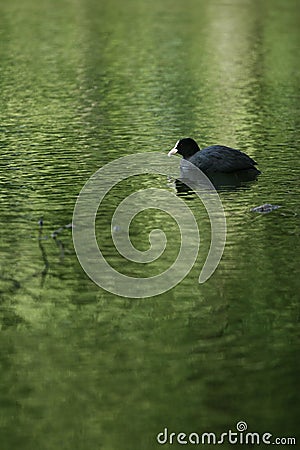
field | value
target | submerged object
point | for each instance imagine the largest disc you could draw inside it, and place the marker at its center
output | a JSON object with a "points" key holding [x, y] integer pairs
{"points": [[265, 209]]}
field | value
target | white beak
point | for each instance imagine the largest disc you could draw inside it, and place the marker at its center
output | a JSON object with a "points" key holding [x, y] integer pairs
{"points": [[173, 151]]}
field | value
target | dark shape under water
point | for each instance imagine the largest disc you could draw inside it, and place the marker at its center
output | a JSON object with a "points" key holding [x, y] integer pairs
{"points": [[221, 181], [189, 176], [214, 159]]}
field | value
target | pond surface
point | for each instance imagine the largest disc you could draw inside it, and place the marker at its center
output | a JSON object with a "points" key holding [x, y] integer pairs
{"points": [[83, 83]]}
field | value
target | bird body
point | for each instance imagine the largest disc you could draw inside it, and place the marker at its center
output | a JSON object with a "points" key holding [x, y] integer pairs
{"points": [[216, 158]]}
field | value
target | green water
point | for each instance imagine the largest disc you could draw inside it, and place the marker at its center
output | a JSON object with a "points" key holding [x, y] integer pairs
{"points": [[83, 83]]}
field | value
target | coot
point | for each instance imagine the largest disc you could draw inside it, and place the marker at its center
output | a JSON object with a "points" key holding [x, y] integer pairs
{"points": [[216, 158]]}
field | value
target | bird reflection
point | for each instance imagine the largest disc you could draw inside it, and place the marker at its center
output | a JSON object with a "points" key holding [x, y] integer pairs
{"points": [[189, 179]]}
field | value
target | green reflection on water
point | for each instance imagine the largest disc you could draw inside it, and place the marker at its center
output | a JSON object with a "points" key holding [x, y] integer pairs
{"points": [[82, 83]]}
